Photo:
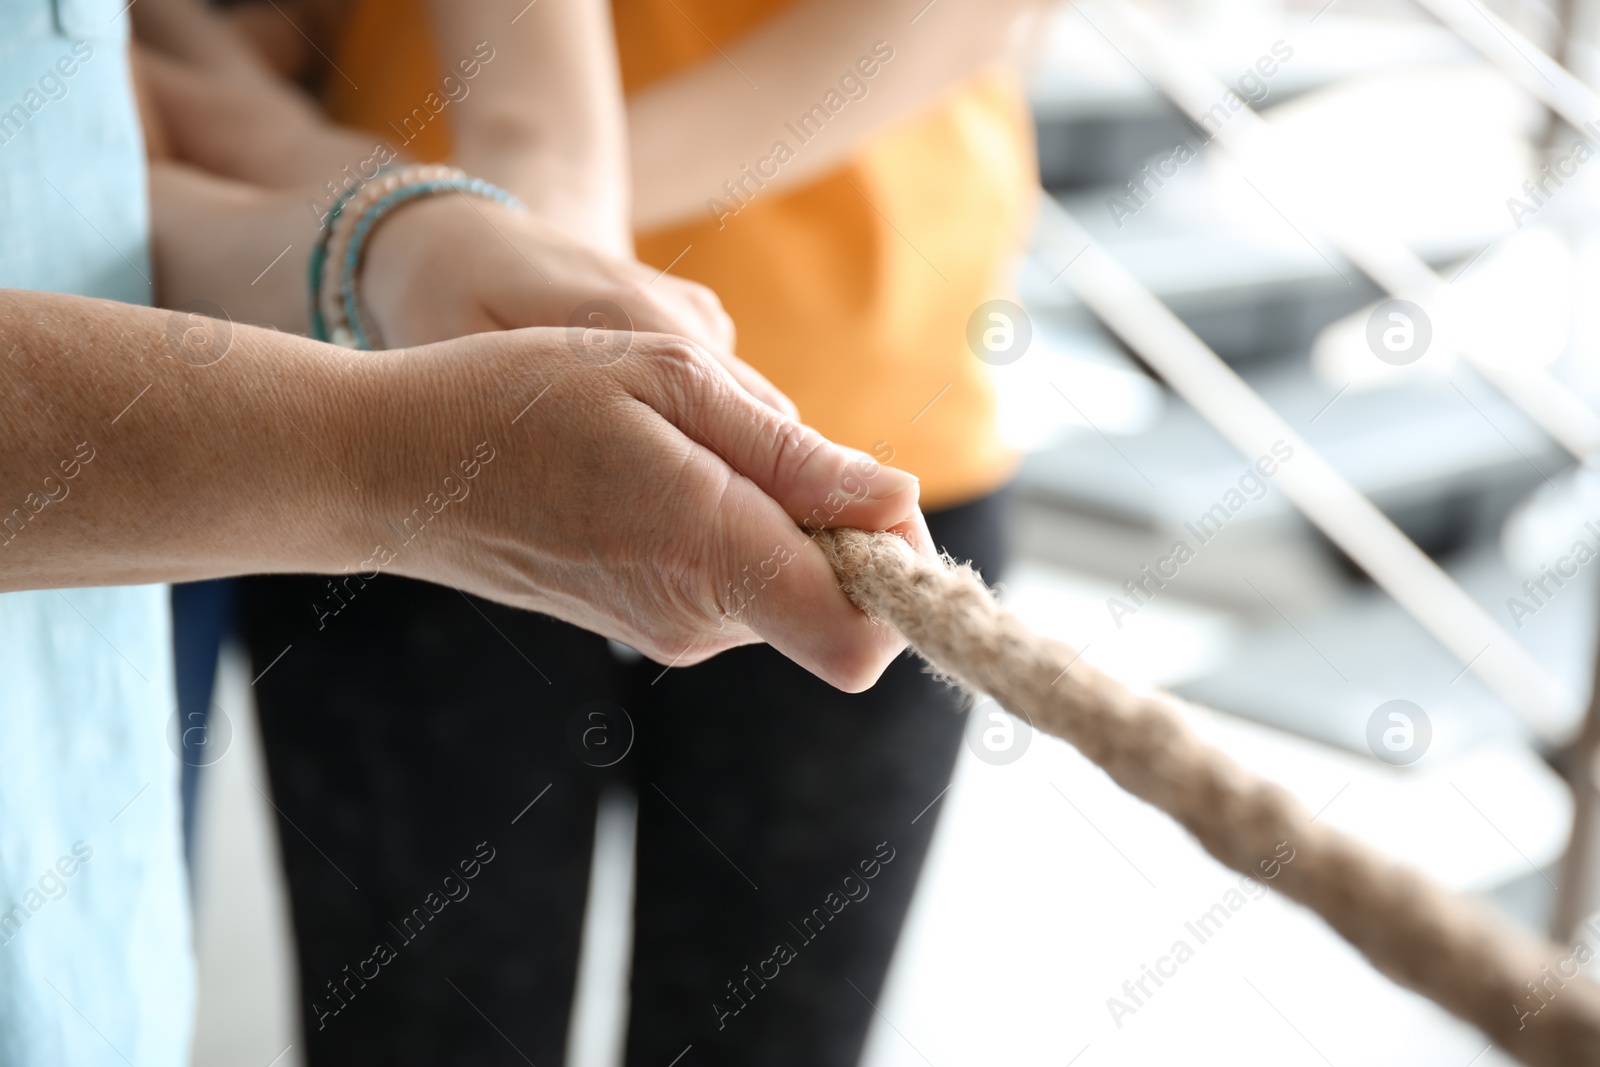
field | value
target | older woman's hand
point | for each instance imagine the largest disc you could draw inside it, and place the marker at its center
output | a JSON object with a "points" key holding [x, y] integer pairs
{"points": [[651, 499]]}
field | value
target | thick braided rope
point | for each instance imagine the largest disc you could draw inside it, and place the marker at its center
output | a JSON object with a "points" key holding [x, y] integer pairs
{"points": [[1445, 947]]}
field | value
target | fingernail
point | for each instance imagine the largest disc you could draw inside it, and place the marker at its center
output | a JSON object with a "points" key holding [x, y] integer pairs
{"points": [[890, 481]]}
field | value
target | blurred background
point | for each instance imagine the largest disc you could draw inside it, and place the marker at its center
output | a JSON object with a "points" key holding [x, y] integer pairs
{"points": [[1048, 888]]}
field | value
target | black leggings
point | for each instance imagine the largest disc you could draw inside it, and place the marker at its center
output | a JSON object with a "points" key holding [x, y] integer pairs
{"points": [[779, 836]]}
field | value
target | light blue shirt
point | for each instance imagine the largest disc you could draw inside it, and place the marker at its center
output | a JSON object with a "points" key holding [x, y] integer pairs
{"points": [[95, 959]]}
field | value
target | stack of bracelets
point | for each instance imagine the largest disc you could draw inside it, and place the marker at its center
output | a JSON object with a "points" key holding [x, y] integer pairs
{"points": [[337, 314]]}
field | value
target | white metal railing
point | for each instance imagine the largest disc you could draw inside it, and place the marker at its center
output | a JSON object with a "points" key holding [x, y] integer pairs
{"points": [[1203, 379], [1337, 508], [1388, 262], [1519, 59]]}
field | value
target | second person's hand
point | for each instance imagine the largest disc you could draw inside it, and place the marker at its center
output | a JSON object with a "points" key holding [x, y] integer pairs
{"points": [[457, 265]]}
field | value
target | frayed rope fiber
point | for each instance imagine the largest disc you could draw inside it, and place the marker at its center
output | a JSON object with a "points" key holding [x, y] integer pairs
{"points": [[1450, 949]]}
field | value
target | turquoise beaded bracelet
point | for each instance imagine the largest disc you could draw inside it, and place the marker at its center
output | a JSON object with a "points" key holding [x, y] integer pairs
{"points": [[355, 331], [319, 259]]}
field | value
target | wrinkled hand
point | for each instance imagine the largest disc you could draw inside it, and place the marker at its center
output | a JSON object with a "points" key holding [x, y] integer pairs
{"points": [[651, 500], [456, 265]]}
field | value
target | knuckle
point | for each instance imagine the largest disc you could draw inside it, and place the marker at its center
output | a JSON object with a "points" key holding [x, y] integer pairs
{"points": [[723, 326], [793, 450], [669, 350], [712, 304], [686, 289], [680, 365], [715, 312], [704, 301]]}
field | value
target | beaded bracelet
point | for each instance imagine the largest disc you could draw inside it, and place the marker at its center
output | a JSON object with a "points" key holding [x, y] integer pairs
{"points": [[346, 205], [330, 294], [336, 311], [319, 258], [362, 332]]}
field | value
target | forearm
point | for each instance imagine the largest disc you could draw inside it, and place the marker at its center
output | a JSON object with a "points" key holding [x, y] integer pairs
{"points": [[692, 132], [240, 248], [124, 460], [190, 32], [546, 119], [142, 446], [265, 132]]}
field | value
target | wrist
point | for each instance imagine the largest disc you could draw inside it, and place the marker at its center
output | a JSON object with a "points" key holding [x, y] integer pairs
{"points": [[380, 428], [585, 199], [336, 404], [418, 429], [334, 275], [267, 446], [421, 281]]}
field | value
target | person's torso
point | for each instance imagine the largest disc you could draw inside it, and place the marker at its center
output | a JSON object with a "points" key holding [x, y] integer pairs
{"points": [[94, 939]]}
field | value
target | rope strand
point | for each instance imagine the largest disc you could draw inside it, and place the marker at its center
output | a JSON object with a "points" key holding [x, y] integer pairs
{"points": [[1452, 950]]}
